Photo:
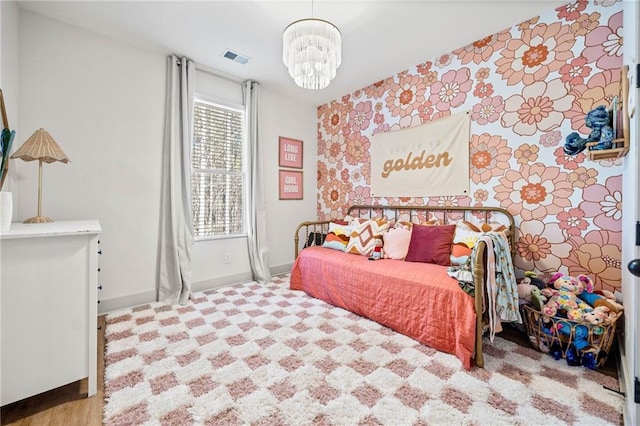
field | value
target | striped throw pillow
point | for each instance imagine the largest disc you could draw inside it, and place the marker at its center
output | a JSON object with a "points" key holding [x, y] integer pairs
{"points": [[338, 236], [466, 236]]}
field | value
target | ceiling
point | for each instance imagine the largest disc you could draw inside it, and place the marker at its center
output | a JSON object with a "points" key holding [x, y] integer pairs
{"points": [[380, 37]]}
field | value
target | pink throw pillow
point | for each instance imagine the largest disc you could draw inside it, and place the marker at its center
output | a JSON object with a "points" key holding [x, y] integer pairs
{"points": [[396, 243], [431, 244]]}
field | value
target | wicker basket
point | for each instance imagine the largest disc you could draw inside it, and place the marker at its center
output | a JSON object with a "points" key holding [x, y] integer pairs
{"points": [[544, 334]]}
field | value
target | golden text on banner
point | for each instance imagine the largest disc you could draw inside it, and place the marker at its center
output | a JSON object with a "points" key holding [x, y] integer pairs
{"points": [[427, 160]]}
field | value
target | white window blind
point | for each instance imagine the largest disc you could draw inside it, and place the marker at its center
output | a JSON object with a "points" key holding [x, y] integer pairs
{"points": [[218, 178]]}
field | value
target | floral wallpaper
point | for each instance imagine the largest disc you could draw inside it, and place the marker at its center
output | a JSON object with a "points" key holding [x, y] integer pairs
{"points": [[527, 88]]}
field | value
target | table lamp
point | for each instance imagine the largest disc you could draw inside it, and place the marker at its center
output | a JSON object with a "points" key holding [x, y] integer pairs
{"points": [[40, 146]]}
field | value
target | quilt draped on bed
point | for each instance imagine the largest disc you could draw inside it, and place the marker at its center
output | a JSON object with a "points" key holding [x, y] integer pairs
{"points": [[502, 289], [419, 300], [501, 298]]}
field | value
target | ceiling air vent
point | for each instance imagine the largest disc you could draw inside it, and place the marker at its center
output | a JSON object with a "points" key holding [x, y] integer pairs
{"points": [[235, 56]]}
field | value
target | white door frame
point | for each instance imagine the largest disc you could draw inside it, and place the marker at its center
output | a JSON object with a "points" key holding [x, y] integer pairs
{"points": [[630, 353]]}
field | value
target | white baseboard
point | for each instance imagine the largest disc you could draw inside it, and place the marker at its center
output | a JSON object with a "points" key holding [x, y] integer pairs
{"points": [[131, 300], [282, 269], [110, 305], [625, 377], [221, 281]]}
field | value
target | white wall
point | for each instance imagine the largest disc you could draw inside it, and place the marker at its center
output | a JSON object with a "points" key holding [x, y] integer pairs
{"points": [[9, 75], [103, 101], [283, 116]]}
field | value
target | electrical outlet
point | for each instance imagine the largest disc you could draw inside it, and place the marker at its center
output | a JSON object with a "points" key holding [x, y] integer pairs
{"points": [[227, 258]]}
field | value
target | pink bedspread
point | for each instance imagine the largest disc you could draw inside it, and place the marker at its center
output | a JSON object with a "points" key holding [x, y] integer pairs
{"points": [[416, 299]]}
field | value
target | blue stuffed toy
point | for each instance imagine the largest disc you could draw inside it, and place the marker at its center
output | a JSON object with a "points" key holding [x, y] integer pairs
{"points": [[602, 133], [581, 333]]}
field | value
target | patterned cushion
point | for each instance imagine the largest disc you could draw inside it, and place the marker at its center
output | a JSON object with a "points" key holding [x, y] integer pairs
{"points": [[466, 236], [338, 236], [362, 240], [431, 244], [396, 241]]}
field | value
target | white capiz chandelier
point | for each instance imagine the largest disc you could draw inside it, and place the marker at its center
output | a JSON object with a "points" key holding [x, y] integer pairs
{"points": [[312, 52]]}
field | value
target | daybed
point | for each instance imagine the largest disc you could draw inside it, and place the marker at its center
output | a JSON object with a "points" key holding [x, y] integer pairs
{"points": [[420, 300]]}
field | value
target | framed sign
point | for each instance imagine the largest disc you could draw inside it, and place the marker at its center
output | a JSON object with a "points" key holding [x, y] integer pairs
{"points": [[290, 153], [290, 184]]}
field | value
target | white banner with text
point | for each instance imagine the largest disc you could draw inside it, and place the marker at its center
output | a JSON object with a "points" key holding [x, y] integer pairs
{"points": [[427, 160]]}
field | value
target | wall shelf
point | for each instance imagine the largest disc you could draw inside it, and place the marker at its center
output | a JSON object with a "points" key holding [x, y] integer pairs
{"points": [[620, 146]]}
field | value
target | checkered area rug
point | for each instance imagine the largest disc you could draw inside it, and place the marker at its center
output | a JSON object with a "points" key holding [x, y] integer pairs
{"points": [[267, 355]]}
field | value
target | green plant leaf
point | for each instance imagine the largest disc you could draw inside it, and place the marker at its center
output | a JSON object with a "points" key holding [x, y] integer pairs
{"points": [[5, 147]]}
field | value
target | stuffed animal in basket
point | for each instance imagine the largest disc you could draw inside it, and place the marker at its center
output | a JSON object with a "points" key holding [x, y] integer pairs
{"points": [[564, 300], [581, 351], [529, 293], [524, 291], [600, 315], [580, 334], [531, 277], [588, 295]]}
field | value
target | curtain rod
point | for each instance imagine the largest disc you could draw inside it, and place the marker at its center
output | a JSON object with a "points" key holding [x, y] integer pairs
{"points": [[216, 73]]}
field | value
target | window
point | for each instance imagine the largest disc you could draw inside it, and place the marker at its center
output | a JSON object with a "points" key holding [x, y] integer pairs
{"points": [[218, 175]]}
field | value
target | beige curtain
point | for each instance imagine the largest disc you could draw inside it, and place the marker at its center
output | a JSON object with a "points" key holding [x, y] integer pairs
{"points": [[257, 211], [176, 227]]}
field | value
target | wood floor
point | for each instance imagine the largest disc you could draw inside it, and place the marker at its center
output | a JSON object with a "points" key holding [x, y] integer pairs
{"points": [[63, 406], [68, 405]]}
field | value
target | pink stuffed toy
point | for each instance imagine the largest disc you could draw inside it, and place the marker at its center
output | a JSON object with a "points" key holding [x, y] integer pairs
{"points": [[565, 298], [600, 315]]}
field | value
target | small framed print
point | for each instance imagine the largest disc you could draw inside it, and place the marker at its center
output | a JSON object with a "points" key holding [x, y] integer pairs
{"points": [[290, 185], [290, 153]]}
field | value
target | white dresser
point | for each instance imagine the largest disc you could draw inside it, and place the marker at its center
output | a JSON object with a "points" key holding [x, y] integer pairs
{"points": [[48, 297]]}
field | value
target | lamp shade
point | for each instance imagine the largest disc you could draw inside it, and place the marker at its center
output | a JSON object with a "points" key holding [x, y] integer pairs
{"points": [[312, 52], [41, 146]]}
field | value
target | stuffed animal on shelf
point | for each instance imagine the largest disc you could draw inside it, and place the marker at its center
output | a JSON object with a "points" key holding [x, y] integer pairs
{"points": [[606, 139], [601, 133]]}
